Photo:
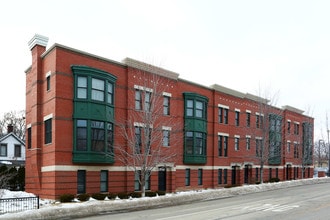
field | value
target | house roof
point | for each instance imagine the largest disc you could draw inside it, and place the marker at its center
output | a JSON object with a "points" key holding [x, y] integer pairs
{"points": [[13, 135]]}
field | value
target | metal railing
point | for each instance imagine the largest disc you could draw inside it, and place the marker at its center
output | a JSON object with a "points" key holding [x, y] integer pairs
{"points": [[9, 205]]}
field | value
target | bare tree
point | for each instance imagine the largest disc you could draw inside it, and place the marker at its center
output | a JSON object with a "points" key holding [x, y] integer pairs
{"points": [[15, 119], [149, 133], [267, 131]]}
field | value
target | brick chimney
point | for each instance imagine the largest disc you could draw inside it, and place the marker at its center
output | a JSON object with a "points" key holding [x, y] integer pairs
{"points": [[10, 128]]}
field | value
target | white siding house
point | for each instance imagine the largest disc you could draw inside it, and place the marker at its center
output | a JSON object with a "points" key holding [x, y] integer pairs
{"points": [[12, 150]]}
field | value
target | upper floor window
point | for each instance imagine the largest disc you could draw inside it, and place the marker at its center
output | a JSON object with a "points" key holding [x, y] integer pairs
{"points": [[143, 98], [166, 138], [93, 85], [223, 145], [48, 131], [296, 128], [236, 143], [166, 105], [29, 136], [289, 126], [237, 117], [195, 106], [18, 151], [94, 136], [223, 114], [248, 119], [195, 143], [3, 150], [248, 142]]}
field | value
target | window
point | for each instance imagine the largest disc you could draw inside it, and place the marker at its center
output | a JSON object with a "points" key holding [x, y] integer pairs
{"points": [[81, 87], [101, 90], [259, 146], [3, 150], [200, 176], [29, 136], [138, 100], [199, 109], [270, 173], [219, 176], [138, 180], [94, 136], [296, 128], [187, 177], [257, 173], [17, 151], [236, 143], [147, 101], [98, 89], [98, 136], [110, 93], [222, 145], [258, 121], [220, 115], [104, 181], [225, 146], [248, 119], [81, 181], [48, 131], [48, 82], [195, 108], [296, 150], [237, 118], [166, 105], [138, 140], [248, 143], [81, 137], [190, 108], [289, 126], [166, 138], [225, 177], [195, 143], [288, 147], [225, 116]]}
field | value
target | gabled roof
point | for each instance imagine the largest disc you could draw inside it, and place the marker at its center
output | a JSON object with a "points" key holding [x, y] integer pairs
{"points": [[13, 135]]}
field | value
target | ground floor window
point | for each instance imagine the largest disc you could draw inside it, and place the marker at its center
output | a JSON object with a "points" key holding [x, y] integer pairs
{"points": [[104, 181], [200, 176], [81, 181], [138, 180], [187, 177]]}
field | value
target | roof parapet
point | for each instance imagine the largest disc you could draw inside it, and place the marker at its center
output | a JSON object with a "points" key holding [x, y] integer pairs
{"points": [[150, 68], [293, 109]]}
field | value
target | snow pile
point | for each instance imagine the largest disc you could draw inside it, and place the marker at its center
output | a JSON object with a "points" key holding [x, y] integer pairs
{"points": [[55, 210]]}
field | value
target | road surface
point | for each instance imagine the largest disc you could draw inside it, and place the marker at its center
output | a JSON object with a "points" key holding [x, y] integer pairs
{"points": [[300, 202]]}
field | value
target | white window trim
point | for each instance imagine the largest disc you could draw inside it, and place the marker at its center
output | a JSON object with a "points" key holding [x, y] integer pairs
{"points": [[223, 134], [237, 110], [48, 73], [166, 128], [248, 111], [48, 117], [223, 106], [167, 94]]}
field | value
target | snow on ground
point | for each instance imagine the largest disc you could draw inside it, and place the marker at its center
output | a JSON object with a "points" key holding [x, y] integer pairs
{"points": [[50, 209]]}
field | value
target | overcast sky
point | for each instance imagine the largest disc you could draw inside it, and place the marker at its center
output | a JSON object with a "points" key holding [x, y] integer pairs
{"points": [[250, 46]]}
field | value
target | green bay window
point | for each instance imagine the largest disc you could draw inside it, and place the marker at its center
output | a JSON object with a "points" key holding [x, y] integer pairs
{"points": [[195, 128], [93, 115]]}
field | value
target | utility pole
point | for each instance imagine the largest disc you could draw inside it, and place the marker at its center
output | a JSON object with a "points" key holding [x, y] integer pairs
{"points": [[328, 154]]}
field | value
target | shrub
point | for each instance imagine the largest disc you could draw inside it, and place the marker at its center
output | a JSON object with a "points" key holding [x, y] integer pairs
{"points": [[99, 196], [151, 194], [66, 198], [136, 195], [161, 193], [83, 197], [112, 196], [274, 179], [123, 195]]}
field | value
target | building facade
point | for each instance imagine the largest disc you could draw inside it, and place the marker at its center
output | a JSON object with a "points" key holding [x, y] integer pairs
{"points": [[75, 102]]}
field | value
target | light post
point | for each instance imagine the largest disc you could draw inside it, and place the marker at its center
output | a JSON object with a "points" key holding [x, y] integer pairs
{"points": [[328, 154]]}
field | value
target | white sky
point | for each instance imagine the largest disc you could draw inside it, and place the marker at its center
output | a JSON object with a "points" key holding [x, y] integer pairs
{"points": [[281, 46]]}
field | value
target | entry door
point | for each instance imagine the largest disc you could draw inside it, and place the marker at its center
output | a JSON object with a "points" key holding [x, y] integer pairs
{"points": [[162, 178], [233, 175]]}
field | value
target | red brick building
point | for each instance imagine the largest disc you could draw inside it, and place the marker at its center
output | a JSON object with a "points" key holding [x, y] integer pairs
{"points": [[71, 94]]}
